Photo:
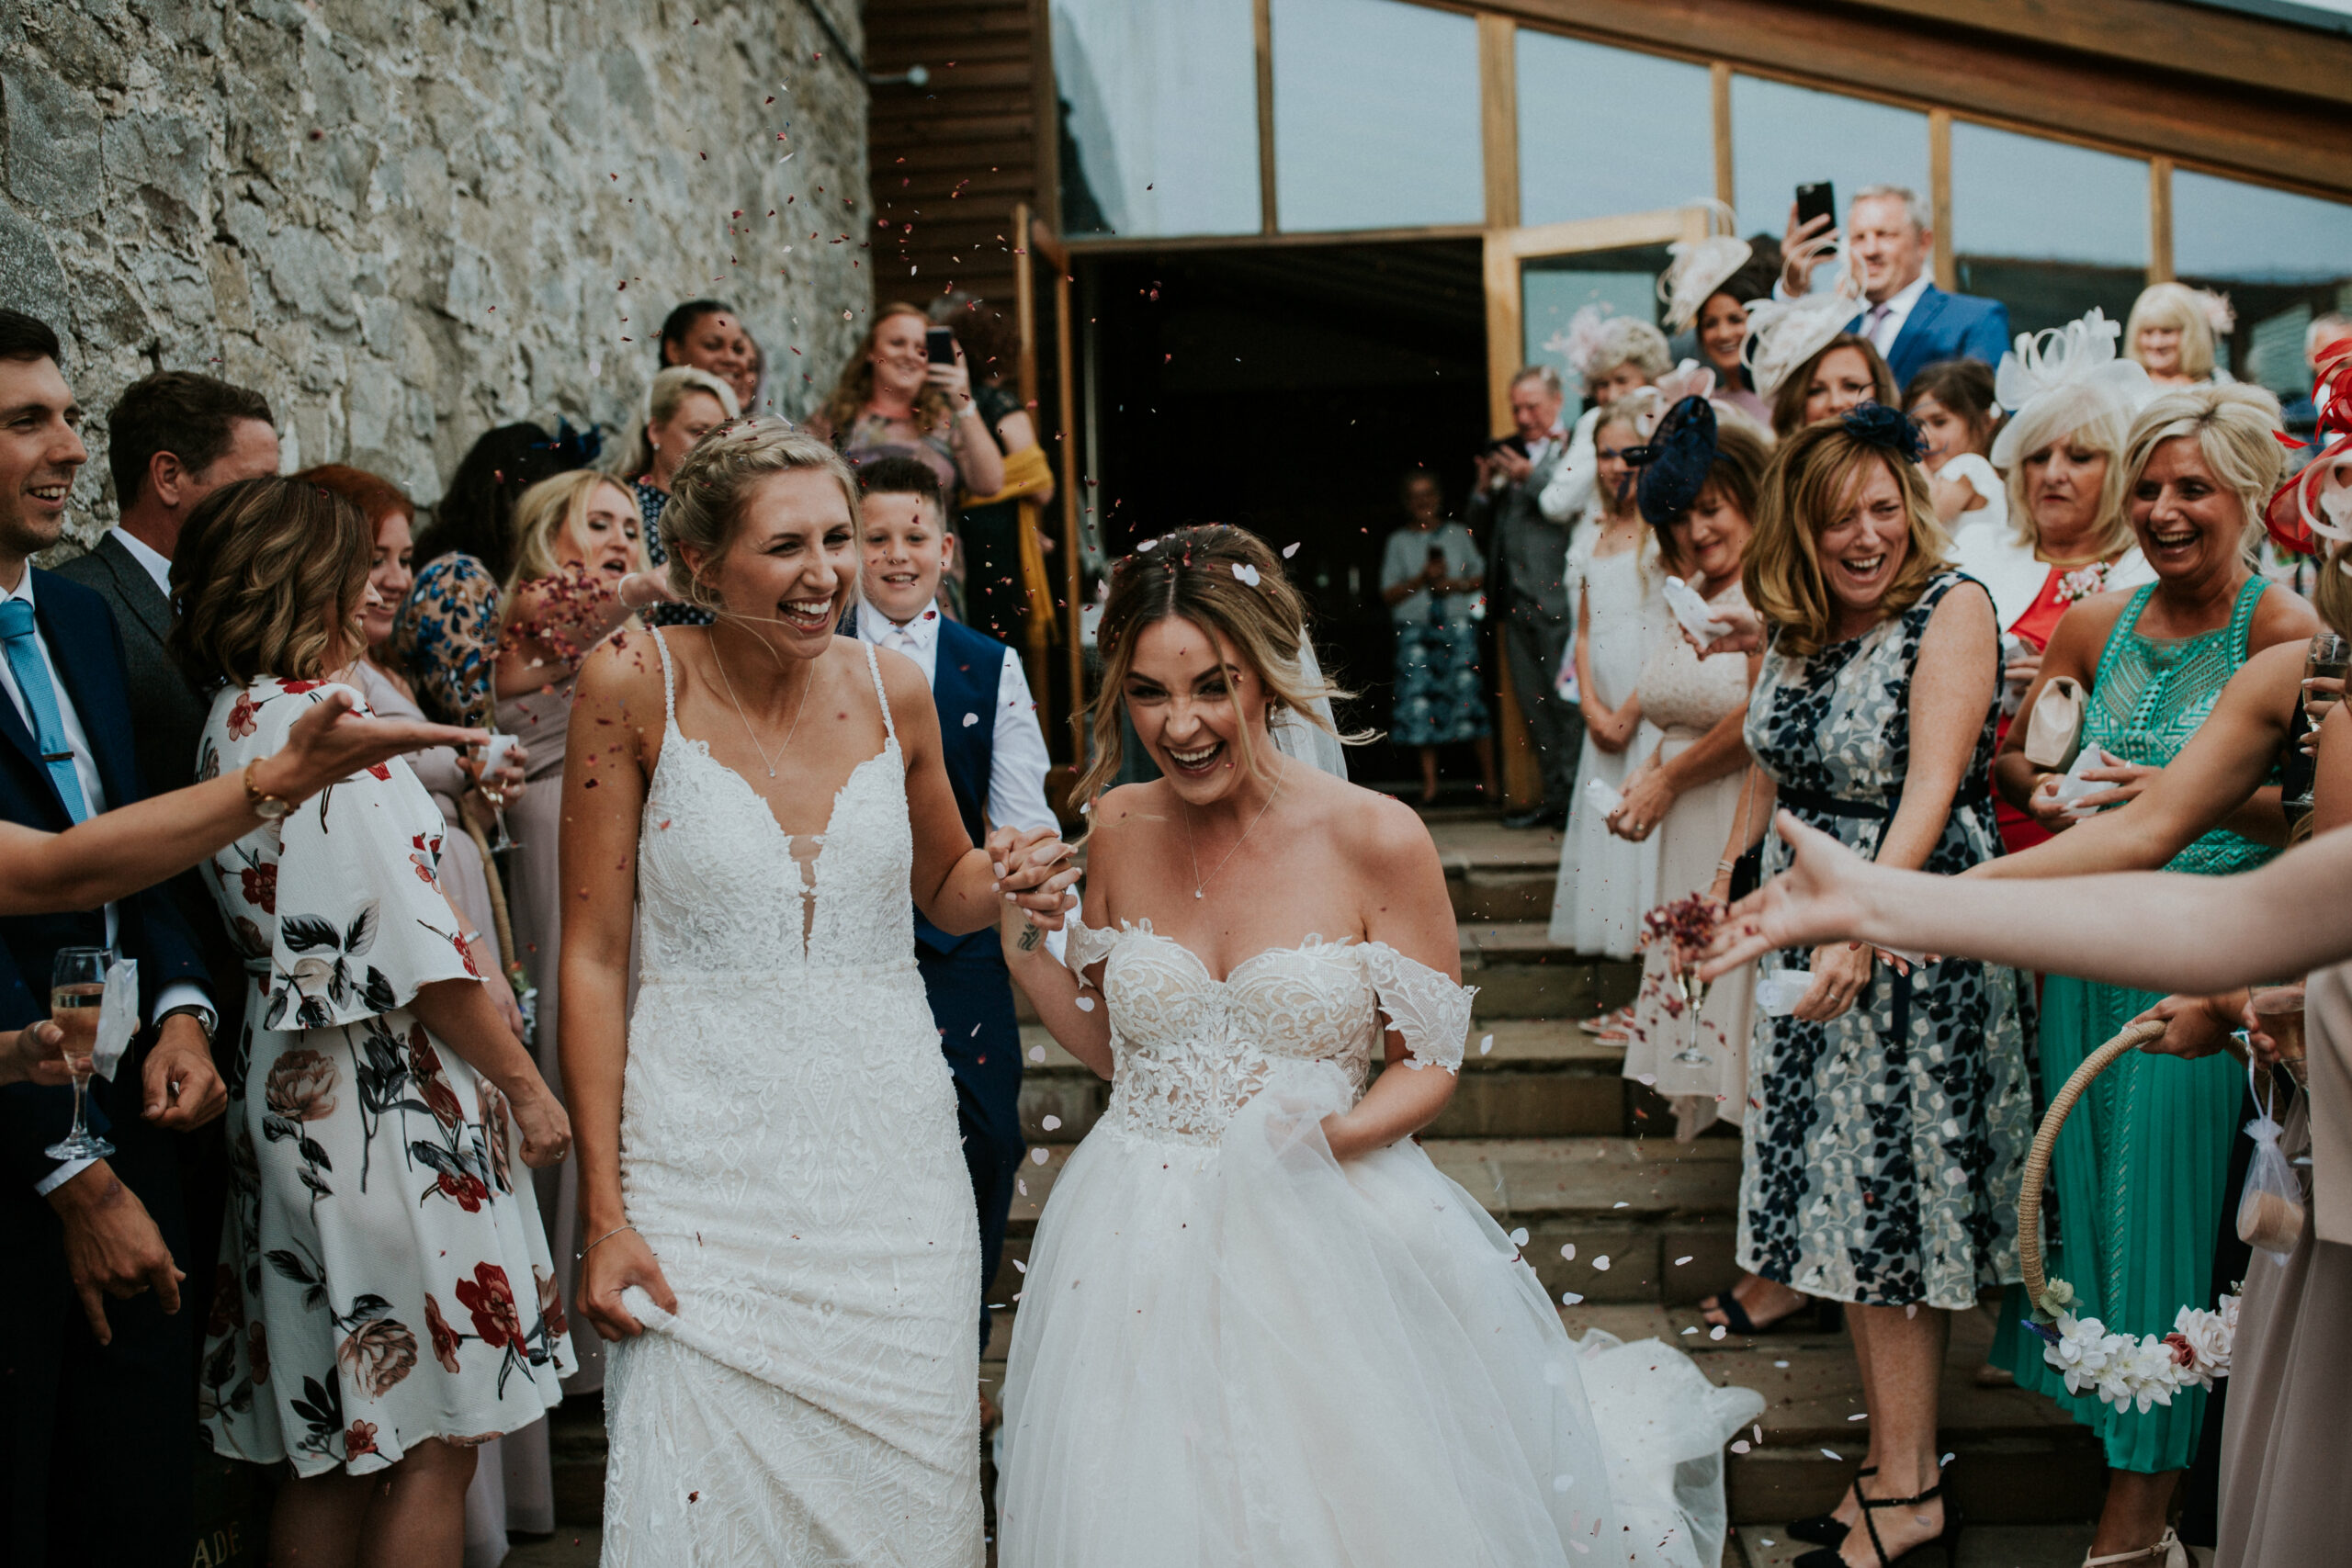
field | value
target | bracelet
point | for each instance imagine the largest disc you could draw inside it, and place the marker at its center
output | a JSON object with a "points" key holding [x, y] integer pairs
{"points": [[600, 1241], [1726, 867]]}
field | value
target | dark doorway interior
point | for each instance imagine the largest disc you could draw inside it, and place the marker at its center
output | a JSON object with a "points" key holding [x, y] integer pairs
{"points": [[1288, 389]]}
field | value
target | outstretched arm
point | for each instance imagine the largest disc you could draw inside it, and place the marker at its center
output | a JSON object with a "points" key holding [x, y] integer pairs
{"points": [[116, 853]]}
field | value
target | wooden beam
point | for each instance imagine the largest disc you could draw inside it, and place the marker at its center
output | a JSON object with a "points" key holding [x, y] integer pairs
{"points": [[1499, 117], [1046, 116], [1504, 329], [1261, 27], [2297, 143], [1073, 593], [1047, 243], [1658, 227], [2160, 220], [1939, 197], [1719, 93]]}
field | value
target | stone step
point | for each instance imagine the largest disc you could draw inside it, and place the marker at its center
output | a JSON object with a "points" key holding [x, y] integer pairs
{"points": [[1536, 1078], [1649, 1220]]}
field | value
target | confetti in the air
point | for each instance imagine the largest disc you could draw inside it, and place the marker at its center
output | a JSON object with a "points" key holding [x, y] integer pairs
{"points": [[1518, 1237], [1486, 1043]]}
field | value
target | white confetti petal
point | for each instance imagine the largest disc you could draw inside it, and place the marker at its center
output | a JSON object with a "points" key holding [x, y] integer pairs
{"points": [[1602, 1263], [1569, 1298], [1759, 1428], [1052, 1123], [1569, 1250], [1718, 1331], [1038, 1157], [1149, 545], [1681, 1260], [1289, 550], [1691, 1330], [1036, 1052], [1621, 1204], [1780, 1363], [1862, 1416], [1518, 1237], [1833, 1453], [1486, 1043], [1019, 1266], [970, 719], [1740, 1447], [1086, 1004]]}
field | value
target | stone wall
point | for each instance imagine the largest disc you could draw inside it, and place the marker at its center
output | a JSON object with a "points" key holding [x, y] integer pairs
{"points": [[406, 222]]}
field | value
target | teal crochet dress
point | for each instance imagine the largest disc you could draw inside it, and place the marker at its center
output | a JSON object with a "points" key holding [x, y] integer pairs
{"points": [[2139, 1176]]}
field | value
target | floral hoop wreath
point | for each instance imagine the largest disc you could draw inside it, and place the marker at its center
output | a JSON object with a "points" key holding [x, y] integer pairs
{"points": [[2122, 1369]]}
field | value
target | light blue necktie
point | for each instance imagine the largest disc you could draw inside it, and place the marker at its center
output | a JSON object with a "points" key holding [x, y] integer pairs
{"points": [[31, 671]]}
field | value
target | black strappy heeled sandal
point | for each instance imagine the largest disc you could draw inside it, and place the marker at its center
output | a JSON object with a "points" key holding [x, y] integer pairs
{"points": [[1948, 1539], [1828, 1529]]}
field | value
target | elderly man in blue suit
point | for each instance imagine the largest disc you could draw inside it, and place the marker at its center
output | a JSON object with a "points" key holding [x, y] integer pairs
{"points": [[1908, 319]]}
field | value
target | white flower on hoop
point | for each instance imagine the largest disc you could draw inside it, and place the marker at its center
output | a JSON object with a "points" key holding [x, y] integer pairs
{"points": [[2127, 1372]]}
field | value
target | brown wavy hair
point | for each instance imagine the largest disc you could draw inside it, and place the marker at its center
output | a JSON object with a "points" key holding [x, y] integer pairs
{"points": [[1788, 403], [268, 578], [856, 389], [1189, 575], [1812, 474]]}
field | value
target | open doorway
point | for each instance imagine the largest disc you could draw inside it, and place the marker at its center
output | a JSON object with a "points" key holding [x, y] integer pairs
{"points": [[1288, 389]]}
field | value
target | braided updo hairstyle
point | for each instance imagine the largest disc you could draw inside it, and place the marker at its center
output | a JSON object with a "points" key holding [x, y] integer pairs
{"points": [[713, 486], [1225, 581]]}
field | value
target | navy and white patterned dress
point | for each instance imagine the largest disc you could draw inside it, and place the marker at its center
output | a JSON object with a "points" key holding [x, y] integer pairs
{"points": [[1884, 1148]]}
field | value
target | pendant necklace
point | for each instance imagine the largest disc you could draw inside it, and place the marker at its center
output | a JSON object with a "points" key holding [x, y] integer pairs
{"points": [[1200, 882], [748, 731]]}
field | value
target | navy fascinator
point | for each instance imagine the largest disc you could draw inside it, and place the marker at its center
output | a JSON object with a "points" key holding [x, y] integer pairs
{"points": [[1881, 426], [1675, 461]]}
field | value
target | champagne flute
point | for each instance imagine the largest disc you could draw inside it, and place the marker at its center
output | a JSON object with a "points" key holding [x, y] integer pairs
{"points": [[494, 757], [2329, 657], [77, 988], [1694, 997]]}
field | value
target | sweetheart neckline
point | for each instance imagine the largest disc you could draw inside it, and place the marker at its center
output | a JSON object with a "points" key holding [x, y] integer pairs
{"points": [[1314, 941], [767, 810]]}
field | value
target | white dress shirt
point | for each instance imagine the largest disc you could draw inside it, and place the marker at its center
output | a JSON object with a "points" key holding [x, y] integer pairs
{"points": [[180, 993], [1882, 323], [1018, 760], [158, 565]]}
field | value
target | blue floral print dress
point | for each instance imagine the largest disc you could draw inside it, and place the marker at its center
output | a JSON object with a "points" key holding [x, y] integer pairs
{"points": [[383, 1281]]}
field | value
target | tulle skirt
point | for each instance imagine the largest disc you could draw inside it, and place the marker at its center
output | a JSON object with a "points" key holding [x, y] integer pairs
{"points": [[1244, 1353]]}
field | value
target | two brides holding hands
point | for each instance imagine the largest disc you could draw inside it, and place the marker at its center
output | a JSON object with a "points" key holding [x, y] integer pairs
{"points": [[1258, 1325]]}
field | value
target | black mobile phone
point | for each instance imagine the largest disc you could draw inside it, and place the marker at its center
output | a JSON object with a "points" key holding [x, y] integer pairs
{"points": [[1516, 443], [1817, 201], [939, 345]]}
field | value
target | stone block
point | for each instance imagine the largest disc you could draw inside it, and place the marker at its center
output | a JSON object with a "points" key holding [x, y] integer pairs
{"points": [[54, 138]]}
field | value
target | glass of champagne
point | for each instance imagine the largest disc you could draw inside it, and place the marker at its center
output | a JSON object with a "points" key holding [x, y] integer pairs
{"points": [[77, 987], [2329, 657], [494, 757], [2280, 1010]]}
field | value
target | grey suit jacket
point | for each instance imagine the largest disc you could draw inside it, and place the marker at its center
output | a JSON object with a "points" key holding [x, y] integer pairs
{"points": [[167, 712], [1526, 551]]}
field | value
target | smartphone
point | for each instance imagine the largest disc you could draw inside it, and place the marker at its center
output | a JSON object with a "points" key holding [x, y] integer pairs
{"points": [[939, 345], [1515, 442], [1817, 201]]}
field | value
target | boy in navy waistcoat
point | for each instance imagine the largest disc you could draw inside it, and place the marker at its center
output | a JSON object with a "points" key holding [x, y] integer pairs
{"points": [[996, 761]]}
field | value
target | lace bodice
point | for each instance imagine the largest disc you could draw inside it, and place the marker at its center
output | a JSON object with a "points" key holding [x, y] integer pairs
{"points": [[716, 875], [1190, 1049], [1687, 695]]}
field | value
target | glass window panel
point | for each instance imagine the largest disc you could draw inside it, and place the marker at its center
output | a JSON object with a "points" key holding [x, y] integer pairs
{"points": [[1160, 116], [2047, 229], [1553, 288], [1783, 137], [2281, 259], [1579, 154], [1375, 116]]}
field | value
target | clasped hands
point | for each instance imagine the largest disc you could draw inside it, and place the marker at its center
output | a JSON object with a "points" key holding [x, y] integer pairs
{"points": [[1033, 871]]}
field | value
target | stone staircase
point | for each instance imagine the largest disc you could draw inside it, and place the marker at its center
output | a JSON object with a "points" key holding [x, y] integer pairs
{"points": [[1547, 1135]]}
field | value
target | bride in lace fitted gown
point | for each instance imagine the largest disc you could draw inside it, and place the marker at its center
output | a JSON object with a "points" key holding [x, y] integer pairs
{"points": [[780, 1223], [1258, 1326]]}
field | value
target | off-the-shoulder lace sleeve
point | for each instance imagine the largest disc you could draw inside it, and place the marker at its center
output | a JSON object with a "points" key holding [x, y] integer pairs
{"points": [[1430, 1012], [1086, 946]]}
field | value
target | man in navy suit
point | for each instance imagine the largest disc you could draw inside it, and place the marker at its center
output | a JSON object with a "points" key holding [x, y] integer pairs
{"points": [[1908, 319], [996, 761], [96, 1396]]}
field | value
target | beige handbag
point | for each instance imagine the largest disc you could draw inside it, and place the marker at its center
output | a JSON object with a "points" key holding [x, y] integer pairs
{"points": [[2053, 734]]}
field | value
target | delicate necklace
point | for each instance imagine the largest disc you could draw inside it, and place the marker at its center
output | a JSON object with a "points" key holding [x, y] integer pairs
{"points": [[1200, 882], [748, 731]]}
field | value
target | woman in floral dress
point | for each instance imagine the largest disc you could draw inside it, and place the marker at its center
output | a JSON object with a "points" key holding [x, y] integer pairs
{"points": [[387, 1300], [1889, 1115]]}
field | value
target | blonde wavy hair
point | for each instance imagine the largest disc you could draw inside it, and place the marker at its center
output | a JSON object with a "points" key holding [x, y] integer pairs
{"points": [[712, 491], [2093, 416], [544, 511], [268, 577], [1189, 575], [1812, 474], [2236, 427], [856, 389], [2173, 305], [662, 400]]}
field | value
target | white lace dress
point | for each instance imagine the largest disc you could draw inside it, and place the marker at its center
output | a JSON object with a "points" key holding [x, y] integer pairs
{"points": [[789, 1150], [1232, 1350], [1606, 883]]}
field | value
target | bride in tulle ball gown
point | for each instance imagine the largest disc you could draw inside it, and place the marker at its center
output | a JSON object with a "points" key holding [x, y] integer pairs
{"points": [[777, 1217], [1258, 1325]]}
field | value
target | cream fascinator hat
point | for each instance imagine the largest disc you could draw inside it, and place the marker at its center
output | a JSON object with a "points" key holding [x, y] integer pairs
{"points": [[1784, 333], [1700, 267], [2060, 380]]}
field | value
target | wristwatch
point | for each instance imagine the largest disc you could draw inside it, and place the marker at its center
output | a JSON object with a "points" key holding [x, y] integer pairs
{"points": [[204, 1016], [268, 807]]}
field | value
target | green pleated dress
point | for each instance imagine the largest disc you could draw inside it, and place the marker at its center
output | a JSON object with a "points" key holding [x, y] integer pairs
{"points": [[2141, 1169]]}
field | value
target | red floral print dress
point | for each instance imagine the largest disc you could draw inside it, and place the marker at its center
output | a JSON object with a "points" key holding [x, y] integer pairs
{"points": [[382, 1281]]}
